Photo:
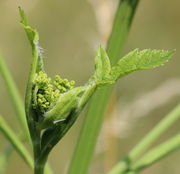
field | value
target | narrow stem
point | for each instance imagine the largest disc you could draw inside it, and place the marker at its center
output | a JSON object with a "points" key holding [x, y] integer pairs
{"points": [[152, 136], [19, 108], [95, 115], [15, 96], [4, 158], [18, 146], [16, 143], [157, 153]]}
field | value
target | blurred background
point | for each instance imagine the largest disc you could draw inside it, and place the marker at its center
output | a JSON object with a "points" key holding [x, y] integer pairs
{"points": [[70, 32]]}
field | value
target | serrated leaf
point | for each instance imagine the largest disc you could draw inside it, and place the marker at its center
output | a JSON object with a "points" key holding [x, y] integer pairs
{"points": [[139, 60], [102, 65]]}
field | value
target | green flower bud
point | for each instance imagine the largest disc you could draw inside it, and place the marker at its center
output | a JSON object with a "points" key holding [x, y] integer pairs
{"points": [[54, 100], [47, 91]]}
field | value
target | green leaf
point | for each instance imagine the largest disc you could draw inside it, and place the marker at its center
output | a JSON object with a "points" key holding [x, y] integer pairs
{"points": [[102, 65], [139, 60], [31, 34], [24, 19]]}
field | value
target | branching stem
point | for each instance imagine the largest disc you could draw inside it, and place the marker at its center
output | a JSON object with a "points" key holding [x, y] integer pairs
{"points": [[151, 137]]}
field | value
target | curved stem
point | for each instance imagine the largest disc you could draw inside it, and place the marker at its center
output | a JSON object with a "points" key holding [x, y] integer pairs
{"points": [[157, 153], [15, 96], [16, 143], [169, 120], [4, 157], [18, 146]]}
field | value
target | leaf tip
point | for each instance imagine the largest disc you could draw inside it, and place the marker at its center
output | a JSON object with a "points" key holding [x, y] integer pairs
{"points": [[172, 52], [23, 16]]}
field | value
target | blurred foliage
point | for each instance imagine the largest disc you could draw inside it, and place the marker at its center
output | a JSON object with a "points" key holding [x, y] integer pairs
{"points": [[69, 35]]}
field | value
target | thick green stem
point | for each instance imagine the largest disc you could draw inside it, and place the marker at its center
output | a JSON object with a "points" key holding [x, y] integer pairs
{"points": [[39, 159], [94, 118], [40, 165], [39, 170], [169, 120], [37, 152]]}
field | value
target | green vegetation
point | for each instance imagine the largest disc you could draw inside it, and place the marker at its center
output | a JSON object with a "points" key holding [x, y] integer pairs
{"points": [[53, 105]]}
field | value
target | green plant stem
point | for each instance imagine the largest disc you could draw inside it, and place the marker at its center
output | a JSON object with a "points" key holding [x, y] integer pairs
{"points": [[131, 172], [95, 115], [39, 169], [16, 143], [39, 161], [39, 166], [14, 94], [18, 146], [17, 103], [157, 154], [4, 158], [169, 120]]}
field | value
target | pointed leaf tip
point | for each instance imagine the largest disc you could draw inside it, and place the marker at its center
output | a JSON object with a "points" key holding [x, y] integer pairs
{"points": [[102, 64], [22, 14], [32, 34]]}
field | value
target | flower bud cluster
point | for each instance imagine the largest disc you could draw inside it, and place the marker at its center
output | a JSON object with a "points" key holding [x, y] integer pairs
{"points": [[46, 91]]}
